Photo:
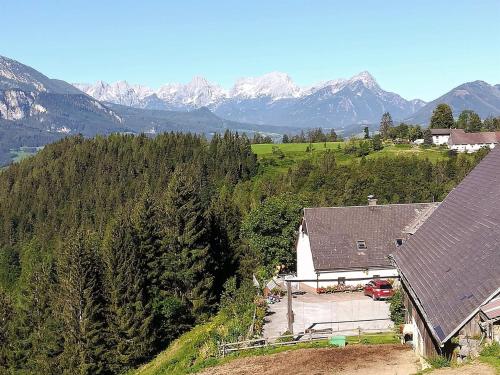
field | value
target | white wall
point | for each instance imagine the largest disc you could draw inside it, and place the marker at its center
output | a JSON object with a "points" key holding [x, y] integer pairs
{"points": [[440, 139], [471, 147], [370, 273], [305, 268]]}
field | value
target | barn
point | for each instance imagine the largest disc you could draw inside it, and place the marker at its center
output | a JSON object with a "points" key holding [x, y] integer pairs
{"points": [[351, 245], [450, 268]]}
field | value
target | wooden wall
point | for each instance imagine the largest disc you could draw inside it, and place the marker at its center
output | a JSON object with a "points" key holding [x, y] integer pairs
{"points": [[430, 347]]}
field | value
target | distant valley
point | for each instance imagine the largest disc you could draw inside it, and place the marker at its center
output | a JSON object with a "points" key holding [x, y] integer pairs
{"points": [[36, 110]]}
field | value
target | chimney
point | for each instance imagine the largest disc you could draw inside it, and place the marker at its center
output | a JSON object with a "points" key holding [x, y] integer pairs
{"points": [[372, 201]]}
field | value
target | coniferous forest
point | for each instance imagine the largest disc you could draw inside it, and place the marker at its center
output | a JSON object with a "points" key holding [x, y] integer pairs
{"points": [[112, 247]]}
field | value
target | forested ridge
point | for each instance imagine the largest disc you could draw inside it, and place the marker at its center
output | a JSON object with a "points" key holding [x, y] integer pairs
{"points": [[112, 247]]}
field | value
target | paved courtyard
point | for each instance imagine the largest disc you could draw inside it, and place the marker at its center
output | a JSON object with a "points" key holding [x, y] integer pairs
{"points": [[319, 311]]}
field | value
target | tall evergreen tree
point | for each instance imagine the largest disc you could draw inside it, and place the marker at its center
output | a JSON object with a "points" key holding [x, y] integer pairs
{"points": [[6, 315], [82, 306], [442, 117], [385, 125], [186, 260], [129, 313], [36, 331]]}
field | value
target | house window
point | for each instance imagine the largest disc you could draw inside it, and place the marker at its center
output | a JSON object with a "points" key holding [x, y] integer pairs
{"points": [[376, 277], [399, 241], [361, 245], [341, 280]]}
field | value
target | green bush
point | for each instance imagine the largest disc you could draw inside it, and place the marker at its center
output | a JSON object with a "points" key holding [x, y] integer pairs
{"points": [[491, 355], [439, 361], [397, 308]]}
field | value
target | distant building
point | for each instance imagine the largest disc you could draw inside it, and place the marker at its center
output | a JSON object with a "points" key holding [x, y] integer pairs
{"points": [[351, 245], [450, 268], [461, 141], [440, 136]]}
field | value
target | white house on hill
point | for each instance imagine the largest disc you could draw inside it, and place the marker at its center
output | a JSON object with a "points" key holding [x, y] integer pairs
{"points": [[461, 141], [350, 245], [440, 136]]}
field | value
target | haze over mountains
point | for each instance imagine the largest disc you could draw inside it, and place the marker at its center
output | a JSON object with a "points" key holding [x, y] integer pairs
{"points": [[35, 109]]}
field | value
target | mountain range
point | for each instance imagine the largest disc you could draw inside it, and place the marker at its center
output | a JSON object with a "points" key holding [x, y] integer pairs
{"points": [[35, 110], [34, 107], [269, 99]]}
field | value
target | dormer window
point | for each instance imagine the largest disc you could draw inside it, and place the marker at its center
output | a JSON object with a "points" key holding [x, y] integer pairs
{"points": [[361, 244], [399, 242]]}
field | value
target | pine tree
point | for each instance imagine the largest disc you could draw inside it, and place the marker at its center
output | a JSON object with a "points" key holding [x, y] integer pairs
{"points": [[148, 231], [186, 259], [442, 117], [385, 125], [35, 328], [129, 314], [82, 306], [6, 315]]}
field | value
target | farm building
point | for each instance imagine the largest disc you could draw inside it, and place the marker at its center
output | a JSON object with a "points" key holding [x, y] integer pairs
{"points": [[450, 268], [350, 245], [440, 136], [461, 141]]}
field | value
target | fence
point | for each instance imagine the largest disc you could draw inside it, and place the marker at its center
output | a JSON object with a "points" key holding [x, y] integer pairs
{"points": [[310, 335]]}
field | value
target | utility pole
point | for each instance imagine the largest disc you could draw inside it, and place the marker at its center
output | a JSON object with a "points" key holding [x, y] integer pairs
{"points": [[290, 310]]}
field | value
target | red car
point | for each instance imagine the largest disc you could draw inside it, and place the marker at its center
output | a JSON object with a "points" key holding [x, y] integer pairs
{"points": [[378, 289]]}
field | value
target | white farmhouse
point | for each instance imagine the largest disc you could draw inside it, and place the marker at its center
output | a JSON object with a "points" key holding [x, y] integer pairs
{"points": [[440, 136], [461, 141], [350, 245]]}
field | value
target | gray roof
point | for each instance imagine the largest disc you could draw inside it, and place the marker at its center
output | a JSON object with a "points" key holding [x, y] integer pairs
{"points": [[460, 137], [333, 232], [440, 131], [452, 263]]}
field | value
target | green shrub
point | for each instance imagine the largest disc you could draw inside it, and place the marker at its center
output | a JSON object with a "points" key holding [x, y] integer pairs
{"points": [[439, 361], [491, 355], [397, 308]]}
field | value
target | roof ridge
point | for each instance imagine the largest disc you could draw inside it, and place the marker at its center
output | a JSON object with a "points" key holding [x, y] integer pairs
{"points": [[378, 205]]}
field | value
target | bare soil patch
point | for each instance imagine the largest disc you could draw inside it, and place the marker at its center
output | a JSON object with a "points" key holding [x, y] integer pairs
{"points": [[472, 369], [356, 359]]}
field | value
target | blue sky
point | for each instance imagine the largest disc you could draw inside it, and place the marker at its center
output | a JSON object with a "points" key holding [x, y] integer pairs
{"points": [[417, 49]]}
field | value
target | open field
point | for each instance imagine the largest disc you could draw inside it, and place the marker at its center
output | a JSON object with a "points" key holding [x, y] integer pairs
{"points": [[273, 161]]}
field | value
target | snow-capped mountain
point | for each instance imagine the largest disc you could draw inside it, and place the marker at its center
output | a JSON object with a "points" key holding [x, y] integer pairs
{"points": [[175, 96], [336, 104], [275, 85], [35, 109], [119, 92], [272, 98]]}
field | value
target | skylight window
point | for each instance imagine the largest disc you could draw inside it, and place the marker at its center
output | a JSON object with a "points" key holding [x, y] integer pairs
{"points": [[399, 242], [361, 245]]}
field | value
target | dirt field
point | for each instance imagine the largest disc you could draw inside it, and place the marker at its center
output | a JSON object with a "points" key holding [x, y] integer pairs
{"points": [[472, 369], [363, 359]]}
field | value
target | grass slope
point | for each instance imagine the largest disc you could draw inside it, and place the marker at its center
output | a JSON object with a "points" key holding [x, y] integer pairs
{"points": [[289, 154], [188, 353]]}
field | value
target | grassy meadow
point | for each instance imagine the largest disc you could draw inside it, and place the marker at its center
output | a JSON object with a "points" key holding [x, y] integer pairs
{"points": [[276, 158]]}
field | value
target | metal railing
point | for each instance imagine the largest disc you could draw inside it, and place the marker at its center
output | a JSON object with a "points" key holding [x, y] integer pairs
{"points": [[310, 335]]}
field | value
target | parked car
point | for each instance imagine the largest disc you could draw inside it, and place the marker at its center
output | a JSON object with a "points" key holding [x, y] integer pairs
{"points": [[378, 289]]}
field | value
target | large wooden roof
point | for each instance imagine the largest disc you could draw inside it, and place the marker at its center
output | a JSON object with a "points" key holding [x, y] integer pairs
{"points": [[452, 263]]}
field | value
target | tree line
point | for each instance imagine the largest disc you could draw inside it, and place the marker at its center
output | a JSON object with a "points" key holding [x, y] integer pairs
{"points": [[111, 247], [442, 118]]}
